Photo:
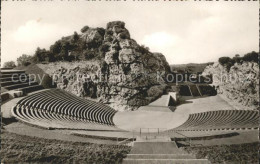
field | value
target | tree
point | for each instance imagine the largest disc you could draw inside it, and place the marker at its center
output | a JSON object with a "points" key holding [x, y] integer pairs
{"points": [[88, 54], [24, 60], [9, 64], [75, 36], [42, 55], [39, 55], [56, 47], [227, 62], [237, 58], [64, 54], [251, 57]]}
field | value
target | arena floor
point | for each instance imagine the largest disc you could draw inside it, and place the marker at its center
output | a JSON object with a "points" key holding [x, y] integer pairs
{"points": [[164, 118]]}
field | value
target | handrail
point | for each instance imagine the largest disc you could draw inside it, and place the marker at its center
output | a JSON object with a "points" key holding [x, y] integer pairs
{"points": [[125, 140], [188, 139], [158, 131], [181, 134]]}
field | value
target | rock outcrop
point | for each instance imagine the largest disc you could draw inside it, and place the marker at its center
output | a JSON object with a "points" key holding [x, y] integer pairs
{"points": [[240, 84], [127, 77]]}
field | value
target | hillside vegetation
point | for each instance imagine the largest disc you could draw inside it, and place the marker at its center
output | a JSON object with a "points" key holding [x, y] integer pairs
{"points": [[190, 68]]}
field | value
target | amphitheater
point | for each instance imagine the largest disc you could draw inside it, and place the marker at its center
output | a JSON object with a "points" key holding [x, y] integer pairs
{"points": [[152, 131]]}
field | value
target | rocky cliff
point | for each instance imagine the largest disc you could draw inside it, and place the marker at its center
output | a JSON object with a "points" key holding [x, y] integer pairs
{"points": [[124, 74], [240, 84]]}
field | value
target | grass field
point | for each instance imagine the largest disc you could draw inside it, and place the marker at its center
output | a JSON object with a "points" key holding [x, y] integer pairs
{"points": [[24, 149]]}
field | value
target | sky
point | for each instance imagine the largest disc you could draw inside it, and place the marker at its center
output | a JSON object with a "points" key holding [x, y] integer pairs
{"points": [[185, 32]]}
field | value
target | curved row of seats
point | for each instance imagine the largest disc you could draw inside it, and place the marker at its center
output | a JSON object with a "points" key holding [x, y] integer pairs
{"points": [[58, 105], [221, 120], [45, 119]]}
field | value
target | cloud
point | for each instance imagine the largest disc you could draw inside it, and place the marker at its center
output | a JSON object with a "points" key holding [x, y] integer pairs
{"points": [[184, 33], [30, 35], [159, 41], [34, 30]]}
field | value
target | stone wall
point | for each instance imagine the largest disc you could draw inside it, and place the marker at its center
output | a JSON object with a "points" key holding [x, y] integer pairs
{"points": [[240, 84]]}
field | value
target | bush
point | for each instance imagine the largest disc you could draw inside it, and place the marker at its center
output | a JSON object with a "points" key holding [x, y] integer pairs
{"points": [[124, 35], [109, 32], [116, 23], [101, 31], [108, 39], [84, 29], [143, 49], [9, 64], [88, 54], [104, 47]]}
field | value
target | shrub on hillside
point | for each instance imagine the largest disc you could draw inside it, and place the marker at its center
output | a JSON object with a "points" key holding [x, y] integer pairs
{"points": [[109, 32], [84, 29], [124, 35], [104, 47], [88, 54], [9, 64]]}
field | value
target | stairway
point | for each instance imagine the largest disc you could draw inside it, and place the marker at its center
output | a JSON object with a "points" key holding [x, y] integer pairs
{"points": [[18, 80], [161, 152]]}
